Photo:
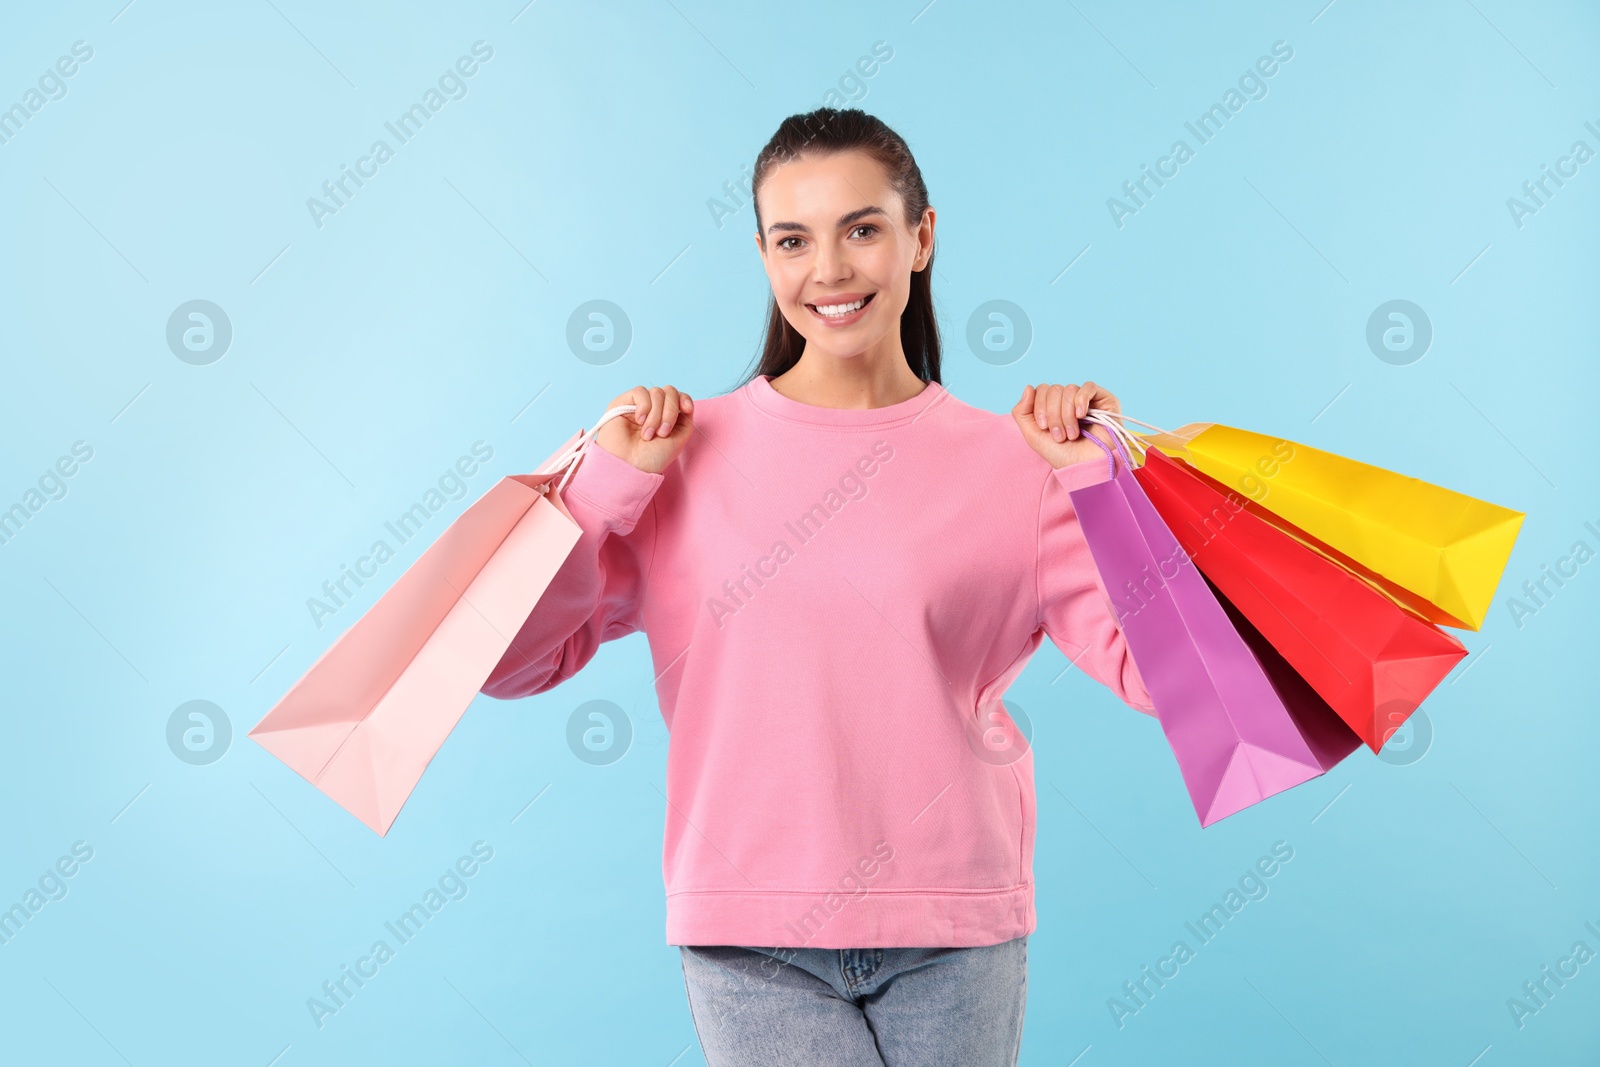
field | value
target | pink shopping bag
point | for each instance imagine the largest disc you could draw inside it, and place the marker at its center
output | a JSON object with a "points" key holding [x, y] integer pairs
{"points": [[1240, 734], [367, 717]]}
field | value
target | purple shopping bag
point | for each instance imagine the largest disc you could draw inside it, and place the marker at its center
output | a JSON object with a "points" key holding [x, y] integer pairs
{"points": [[1227, 722]]}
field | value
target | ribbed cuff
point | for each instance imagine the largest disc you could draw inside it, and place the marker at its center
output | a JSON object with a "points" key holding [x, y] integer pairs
{"points": [[612, 487]]}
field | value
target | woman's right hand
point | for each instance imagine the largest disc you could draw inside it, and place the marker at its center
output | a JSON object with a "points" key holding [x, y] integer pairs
{"points": [[651, 436]]}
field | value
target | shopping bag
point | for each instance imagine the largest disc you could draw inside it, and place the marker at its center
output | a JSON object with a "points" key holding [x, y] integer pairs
{"points": [[1326, 734], [1235, 741], [1370, 658], [368, 716], [1445, 547]]}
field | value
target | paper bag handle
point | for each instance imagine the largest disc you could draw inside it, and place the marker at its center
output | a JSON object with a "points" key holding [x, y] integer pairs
{"points": [[1116, 440], [1112, 420], [1101, 417], [567, 459]]}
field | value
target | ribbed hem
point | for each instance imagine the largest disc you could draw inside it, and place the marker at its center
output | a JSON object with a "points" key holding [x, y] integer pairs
{"points": [[882, 918]]}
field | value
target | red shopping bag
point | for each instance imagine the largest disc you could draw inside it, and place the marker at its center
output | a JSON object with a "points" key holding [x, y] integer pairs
{"points": [[1372, 659], [368, 716]]}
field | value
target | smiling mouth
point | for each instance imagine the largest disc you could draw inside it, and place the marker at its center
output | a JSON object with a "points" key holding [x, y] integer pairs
{"points": [[839, 311]]}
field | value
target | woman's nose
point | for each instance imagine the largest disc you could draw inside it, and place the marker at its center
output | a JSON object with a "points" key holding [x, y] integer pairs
{"points": [[830, 265]]}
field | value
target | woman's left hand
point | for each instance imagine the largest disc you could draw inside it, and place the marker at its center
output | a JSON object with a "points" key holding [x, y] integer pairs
{"points": [[1048, 417]]}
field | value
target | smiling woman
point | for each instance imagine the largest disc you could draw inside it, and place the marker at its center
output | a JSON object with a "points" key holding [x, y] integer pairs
{"points": [[854, 285], [823, 646]]}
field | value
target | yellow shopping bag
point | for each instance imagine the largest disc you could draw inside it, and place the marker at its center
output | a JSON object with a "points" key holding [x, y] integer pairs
{"points": [[1444, 547]]}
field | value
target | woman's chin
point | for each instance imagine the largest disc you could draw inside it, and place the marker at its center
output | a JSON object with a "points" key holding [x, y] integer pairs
{"points": [[837, 348]]}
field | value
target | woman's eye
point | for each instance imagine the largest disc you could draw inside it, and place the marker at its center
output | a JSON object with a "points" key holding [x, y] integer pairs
{"points": [[869, 227]]}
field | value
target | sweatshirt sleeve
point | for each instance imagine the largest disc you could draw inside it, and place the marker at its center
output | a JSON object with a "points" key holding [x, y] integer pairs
{"points": [[1074, 608], [595, 595]]}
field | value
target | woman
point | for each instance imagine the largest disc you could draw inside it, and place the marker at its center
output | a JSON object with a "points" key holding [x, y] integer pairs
{"points": [[840, 568]]}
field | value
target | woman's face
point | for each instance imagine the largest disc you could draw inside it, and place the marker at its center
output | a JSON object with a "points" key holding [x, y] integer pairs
{"points": [[835, 236]]}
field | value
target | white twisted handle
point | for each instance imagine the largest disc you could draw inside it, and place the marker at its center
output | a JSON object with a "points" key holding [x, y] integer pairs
{"points": [[1110, 420], [568, 458]]}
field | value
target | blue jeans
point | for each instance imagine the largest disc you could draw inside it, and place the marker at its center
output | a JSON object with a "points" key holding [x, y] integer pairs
{"points": [[860, 1007]]}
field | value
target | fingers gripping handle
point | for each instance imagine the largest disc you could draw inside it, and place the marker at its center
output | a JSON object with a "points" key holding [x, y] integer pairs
{"points": [[567, 460], [1119, 432], [1127, 443]]}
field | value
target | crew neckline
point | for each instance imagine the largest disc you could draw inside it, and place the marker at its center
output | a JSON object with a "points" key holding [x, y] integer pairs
{"points": [[761, 393]]}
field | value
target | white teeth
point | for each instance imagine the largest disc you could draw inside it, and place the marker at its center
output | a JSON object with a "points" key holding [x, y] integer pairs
{"points": [[840, 309]]}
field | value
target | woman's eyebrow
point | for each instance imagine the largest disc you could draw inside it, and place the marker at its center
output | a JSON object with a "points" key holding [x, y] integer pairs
{"points": [[844, 220]]}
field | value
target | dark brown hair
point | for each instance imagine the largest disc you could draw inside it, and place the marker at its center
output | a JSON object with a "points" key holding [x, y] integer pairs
{"points": [[827, 131]]}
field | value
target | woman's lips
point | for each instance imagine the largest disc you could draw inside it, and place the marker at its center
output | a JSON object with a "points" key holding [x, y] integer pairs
{"points": [[841, 320]]}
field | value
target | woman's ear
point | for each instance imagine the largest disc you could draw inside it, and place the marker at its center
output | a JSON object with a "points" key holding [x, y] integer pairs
{"points": [[925, 239]]}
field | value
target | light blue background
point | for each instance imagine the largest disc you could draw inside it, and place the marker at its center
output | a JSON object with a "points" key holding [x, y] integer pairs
{"points": [[369, 353]]}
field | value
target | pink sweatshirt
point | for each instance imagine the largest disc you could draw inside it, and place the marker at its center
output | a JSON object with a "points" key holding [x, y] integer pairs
{"points": [[835, 601]]}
